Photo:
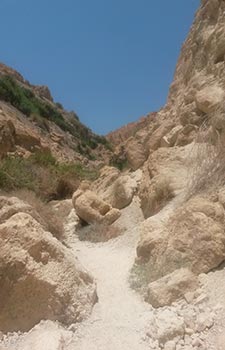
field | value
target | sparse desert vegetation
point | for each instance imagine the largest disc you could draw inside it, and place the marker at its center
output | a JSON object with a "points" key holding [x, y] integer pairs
{"points": [[42, 174]]}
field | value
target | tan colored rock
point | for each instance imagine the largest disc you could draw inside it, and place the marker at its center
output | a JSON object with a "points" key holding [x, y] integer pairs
{"points": [[161, 180], [164, 142], [171, 137], [158, 134], [171, 287], [92, 209], [43, 91], [39, 277], [194, 237], [221, 196], [153, 239], [107, 177], [166, 326], [13, 205], [122, 191], [27, 139], [209, 98], [135, 152], [187, 135]]}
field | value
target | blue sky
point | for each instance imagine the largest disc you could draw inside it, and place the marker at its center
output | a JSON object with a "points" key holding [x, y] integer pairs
{"points": [[111, 61]]}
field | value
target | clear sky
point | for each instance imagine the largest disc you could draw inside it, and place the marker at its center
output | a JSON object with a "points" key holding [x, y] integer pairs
{"points": [[111, 61]]}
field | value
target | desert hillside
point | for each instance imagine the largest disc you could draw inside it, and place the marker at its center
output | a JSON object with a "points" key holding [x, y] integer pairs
{"points": [[117, 243]]}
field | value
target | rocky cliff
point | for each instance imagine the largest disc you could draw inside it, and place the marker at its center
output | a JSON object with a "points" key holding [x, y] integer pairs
{"points": [[197, 89]]}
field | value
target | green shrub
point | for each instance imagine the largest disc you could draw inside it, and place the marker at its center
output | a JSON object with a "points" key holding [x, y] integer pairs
{"points": [[26, 102], [42, 174], [43, 158]]}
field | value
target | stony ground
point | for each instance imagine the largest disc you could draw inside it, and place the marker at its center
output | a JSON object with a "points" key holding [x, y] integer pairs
{"points": [[121, 319]]}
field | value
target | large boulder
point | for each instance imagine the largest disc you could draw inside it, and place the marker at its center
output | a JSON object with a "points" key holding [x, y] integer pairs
{"points": [[209, 98], [193, 237], [92, 209], [115, 188], [161, 180], [39, 277], [171, 287], [108, 175], [13, 205], [122, 191]]}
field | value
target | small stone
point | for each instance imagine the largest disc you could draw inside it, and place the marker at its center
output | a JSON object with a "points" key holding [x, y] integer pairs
{"points": [[201, 299], [189, 331], [197, 342], [189, 297], [204, 321]]}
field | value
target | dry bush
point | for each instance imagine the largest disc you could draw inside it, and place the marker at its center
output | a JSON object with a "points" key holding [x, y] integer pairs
{"points": [[49, 217], [207, 163], [66, 187], [98, 232], [139, 278], [161, 193]]}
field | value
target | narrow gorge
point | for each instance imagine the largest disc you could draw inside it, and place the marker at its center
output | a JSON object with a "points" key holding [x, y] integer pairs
{"points": [[117, 242]]}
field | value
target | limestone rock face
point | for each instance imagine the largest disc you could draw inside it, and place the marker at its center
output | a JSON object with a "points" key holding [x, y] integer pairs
{"points": [[158, 134], [136, 153], [171, 287], [92, 209], [199, 83], [194, 238], [108, 175], [40, 278], [161, 180]]}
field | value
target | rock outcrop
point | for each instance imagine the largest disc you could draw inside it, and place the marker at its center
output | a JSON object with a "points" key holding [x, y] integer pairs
{"points": [[39, 277], [171, 287], [47, 126], [161, 179], [193, 238]]}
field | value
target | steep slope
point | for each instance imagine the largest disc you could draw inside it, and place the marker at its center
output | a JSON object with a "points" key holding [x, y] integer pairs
{"points": [[32, 120], [198, 88]]}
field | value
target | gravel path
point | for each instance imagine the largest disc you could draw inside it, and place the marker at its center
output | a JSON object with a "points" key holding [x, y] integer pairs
{"points": [[120, 317]]}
